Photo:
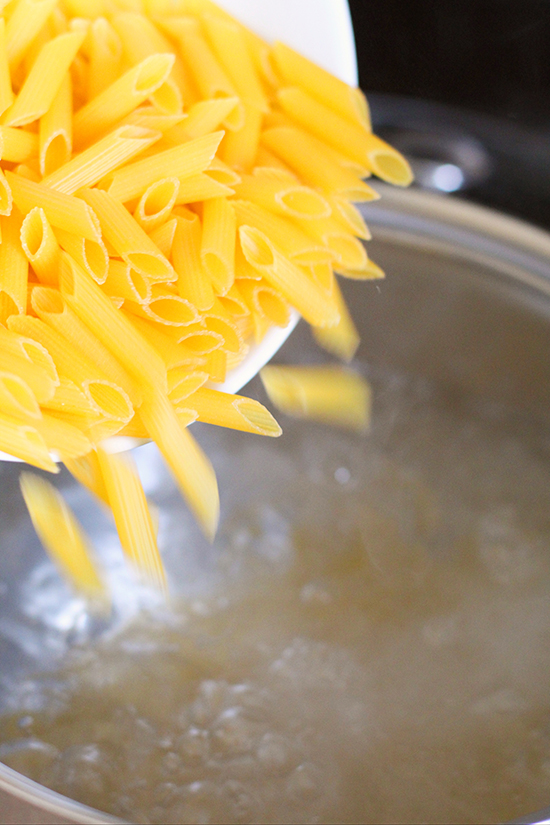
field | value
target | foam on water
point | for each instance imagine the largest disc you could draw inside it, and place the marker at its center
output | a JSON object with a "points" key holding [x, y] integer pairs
{"points": [[367, 641]]}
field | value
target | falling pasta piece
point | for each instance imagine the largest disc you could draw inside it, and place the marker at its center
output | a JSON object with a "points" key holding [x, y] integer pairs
{"points": [[61, 535], [332, 395], [132, 517]]}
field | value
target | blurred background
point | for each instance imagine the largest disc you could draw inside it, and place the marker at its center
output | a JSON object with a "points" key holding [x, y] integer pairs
{"points": [[463, 88]]}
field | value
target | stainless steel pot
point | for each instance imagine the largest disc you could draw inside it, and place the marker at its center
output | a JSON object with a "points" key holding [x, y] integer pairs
{"points": [[466, 305]]}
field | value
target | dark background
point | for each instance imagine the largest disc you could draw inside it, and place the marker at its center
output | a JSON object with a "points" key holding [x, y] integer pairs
{"points": [[480, 68]]}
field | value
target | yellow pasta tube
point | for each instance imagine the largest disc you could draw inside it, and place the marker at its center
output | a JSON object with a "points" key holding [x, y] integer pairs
{"points": [[165, 308], [17, 145], [71, 401], [16, 355], [110, 325], [342, 339], [332, 395], [127, 237], [314, 162], [63, 211], [87, 471], [25, 22], [288, 199], [56, 130], [6, 199], [240, 146], [44, 80], [148, 117], [40, 246], [233, 411], [180, 161], [223, 173], [91, 255], [6, 94], [286, 235], [370, 272], [230, 47], [121, 97], [140, 38], [201, 187], [132, 516], [105, 55], [193, 282], [191, 468], [299, 290], [124, 282], [200, 342], [208, 75], [156, 203], [23, 441], [348, 251], [297, 70], [218, 243], [367, 149], [88, 167], [172, 353], [182, 383], [63, 438], [163, 236], [16, 397], [265, 301], [349, 216], [60, 533], [202, 118], [14, 269], [233, 303]]}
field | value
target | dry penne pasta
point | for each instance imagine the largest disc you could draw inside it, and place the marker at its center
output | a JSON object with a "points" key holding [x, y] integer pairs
{"points": [[172, 187], [132, 516], [59, 531], [329, 394]]}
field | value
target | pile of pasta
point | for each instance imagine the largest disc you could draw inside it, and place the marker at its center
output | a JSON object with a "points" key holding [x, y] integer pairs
{"points": [[171, 186]]}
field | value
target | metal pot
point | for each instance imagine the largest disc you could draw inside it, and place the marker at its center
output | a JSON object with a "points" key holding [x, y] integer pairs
{"points": [[465, 306]]}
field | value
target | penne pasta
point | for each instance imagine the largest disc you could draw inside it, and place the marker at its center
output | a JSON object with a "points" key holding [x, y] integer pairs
{"points": [[24, 24], [17, 399], [90, 255], [218, 243], [6, 93], [331, 395], [120, 98], [124, 282], [315, 164], [342, 339], [61, 535], [14, 268], [191, 468], [299, 290], [88, 167], [105, 56], [193, 281], [165, 308], [233, 411], [23, 441], [289, 200], [62, 437], [6, 199], [40, 245], [56, 130], [132, 516], [203, 117], [87, 471], [239, 147], [16, 145], [110, 326], [230, 46], [163, 236], [156, 203], [70, 214], [44, 79], [346, 137], [127, 237], [181, 161], [201, 187], [286, 235], [297, 70], [265, 301]]}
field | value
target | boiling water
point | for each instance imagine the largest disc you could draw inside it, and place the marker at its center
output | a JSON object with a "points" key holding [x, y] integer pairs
{"points": [[367, 641]]}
